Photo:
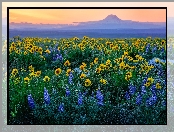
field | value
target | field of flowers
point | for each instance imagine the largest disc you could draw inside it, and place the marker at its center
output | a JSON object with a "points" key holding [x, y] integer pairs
{"points": [[87, 81]]}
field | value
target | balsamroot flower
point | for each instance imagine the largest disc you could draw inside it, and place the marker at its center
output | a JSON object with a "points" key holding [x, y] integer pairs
{"points": [[58, 71], [46, 79], [87, 83]]}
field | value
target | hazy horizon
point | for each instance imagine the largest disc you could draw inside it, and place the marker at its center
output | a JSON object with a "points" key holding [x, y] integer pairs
{"points": [[4, 21], [69, 16]]}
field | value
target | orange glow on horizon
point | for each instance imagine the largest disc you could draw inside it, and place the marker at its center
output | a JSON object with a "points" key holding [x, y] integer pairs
{"points": [[68, 16]]}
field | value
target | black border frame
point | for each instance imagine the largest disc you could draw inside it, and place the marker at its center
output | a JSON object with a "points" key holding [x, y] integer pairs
{"points": [[8, 8]]}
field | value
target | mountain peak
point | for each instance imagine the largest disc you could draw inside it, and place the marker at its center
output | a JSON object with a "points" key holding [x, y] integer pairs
{"points": [[112, 17]]}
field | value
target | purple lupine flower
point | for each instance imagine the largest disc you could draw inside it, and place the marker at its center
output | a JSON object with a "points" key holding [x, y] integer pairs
{"points": [[153, 89], [57, 57], [154, 49], [127, 96], [99, 97], [143, 90], [60, 57], [161, 73], [31, 101], [46, 96], [70, 80], [132, 89], [67, 92], [151, 101], [144, 80], [162, 50], [147, 47], [80, 99], [138, 99], [61, 107]]}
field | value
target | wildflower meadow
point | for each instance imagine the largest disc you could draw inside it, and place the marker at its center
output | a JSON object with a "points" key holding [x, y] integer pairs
{"points": [[87, 81]]}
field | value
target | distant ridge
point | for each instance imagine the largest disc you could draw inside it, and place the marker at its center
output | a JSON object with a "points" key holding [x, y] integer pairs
{"points": [[111, 17], [109, 22]]}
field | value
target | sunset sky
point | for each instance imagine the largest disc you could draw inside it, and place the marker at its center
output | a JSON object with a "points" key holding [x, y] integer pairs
{"points": [[68, 16]]}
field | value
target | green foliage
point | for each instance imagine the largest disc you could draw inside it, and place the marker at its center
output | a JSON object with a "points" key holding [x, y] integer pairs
{"points": [[116, 109]]}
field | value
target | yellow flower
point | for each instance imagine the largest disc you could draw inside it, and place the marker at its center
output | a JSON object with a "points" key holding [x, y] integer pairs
{"points": [[68, 72], [158, 86], [14, 72], [115, 47], [32, 74], [30, 67], [132, 67], [122, 65], [17, 52], [147, 84], [120, 60], [91, 64], [108, 62], [127, 66], [125, 53], [67, 63], [102, 66], [82, 76], [95, 60], [25, 53], [48, 51], [17, 80], [83, 64], [98, 70], [130, 58], [38, 73], [107, 67], [103, 81], [26, 80], [150, 80], [157, 60], [40, 50], [137, 56], [32, 50], [87, 82], [58, 71], [46, 79], [135, 61], [128, 76], [82, 67], [140, 58], [116, 60]]}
